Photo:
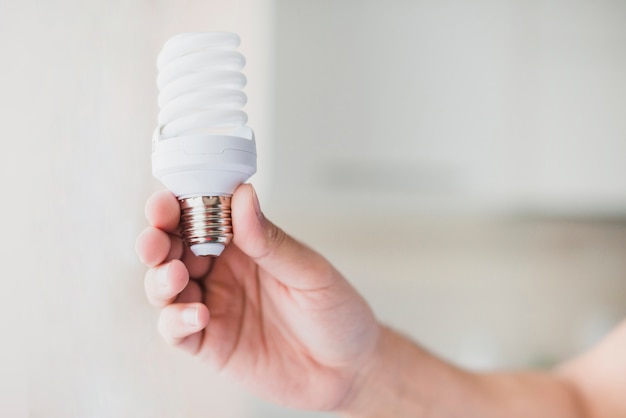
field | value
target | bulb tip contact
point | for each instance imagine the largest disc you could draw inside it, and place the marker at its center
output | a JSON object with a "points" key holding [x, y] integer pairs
{"points": [[207, 249]]}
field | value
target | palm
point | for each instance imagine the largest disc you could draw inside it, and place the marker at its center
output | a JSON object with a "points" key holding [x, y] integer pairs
{"points": [[284, 344]]}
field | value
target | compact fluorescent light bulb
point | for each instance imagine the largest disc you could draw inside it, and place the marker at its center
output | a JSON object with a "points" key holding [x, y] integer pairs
{"points": [[202, 149]]}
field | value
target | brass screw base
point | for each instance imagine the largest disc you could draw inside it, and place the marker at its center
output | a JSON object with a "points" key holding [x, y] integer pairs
{"points": [[206, 220]]}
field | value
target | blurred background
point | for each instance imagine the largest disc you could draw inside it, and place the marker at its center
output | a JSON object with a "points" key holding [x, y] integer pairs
{"points": [[463, 164]]}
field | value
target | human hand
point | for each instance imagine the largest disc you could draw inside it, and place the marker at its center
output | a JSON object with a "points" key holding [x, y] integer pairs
{"points": [[270, 312]]}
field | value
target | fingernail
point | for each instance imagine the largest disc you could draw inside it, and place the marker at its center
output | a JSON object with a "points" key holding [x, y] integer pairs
{"points": [[190, 316], [161, 275]]}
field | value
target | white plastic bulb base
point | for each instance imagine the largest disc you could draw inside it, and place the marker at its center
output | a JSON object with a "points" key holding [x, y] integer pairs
{"points": [[203, 171]]}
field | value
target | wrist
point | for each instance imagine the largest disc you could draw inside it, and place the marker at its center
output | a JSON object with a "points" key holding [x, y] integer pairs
{"points": [[404, 380], [379, 388]]}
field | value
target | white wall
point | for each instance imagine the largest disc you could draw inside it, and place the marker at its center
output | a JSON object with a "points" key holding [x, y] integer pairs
{"points": [[77, 110]]}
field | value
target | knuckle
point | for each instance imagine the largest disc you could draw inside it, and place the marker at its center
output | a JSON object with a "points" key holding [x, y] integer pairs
{"points": [[176, 248], [158, 302], [276, 237], [155, 297], [148, 282], [161, 326], [164, 329]]}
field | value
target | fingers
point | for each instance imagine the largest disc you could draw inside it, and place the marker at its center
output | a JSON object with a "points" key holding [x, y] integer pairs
{"points": [[159, 242], [165, 282], [182, 320], [154, 246], [180, 323], [163, 211], [291, 262]]}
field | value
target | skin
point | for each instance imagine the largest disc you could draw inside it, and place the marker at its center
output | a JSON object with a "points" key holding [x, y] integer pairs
{"points": [[281, 320]]}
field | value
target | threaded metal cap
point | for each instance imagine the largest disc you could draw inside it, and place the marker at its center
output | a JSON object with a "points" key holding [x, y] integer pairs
{"points": [[205, 220]]}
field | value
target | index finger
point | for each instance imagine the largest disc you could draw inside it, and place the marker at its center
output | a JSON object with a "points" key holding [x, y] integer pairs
{"points": [[163, 211]]}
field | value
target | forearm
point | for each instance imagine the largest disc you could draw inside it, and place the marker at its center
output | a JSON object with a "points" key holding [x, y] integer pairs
{"points": [[406, 381]]}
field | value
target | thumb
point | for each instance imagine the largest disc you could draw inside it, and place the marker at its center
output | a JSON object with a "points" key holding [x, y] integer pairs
{"points": [[289, 261]]}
